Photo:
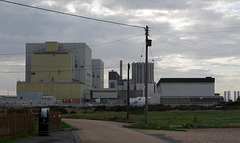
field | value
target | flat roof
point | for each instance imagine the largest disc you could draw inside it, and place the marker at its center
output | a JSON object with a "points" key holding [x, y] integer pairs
{"points": [[185, 80]]}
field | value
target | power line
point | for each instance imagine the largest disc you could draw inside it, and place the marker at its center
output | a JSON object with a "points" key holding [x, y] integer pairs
{"points": [[115, 41], [190, 44], [93, 45], [62, 70], [73, 15]]}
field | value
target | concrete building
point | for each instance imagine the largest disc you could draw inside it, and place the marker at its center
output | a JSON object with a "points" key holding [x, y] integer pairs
{"points": [[113, 78], [138, 72], [151, 88], [60, 90], [121, 86], [187, 90], [186, 86], [60, 62], [104, 96], [28, 99], [97, 73]]}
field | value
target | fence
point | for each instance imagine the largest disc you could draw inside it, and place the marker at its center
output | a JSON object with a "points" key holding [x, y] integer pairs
{"points": [[19, 124], [16, 124], [55, 120]]}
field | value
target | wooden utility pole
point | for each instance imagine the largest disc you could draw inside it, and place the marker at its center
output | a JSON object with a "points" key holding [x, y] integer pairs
{"points": [[128, 88], [148, 43]]}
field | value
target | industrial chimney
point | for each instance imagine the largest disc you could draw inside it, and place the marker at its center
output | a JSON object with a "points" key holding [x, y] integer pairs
{"points": [[120, 69]]}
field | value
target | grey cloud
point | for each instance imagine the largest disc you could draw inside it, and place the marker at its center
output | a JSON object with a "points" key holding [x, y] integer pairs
{"points": [[216, 34]]}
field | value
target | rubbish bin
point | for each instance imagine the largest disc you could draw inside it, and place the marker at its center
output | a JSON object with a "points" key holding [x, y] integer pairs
{"points": [[44, 122]]}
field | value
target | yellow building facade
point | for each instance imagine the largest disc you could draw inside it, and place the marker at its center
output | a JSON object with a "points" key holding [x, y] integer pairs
{"points": [[52, 73], [61, 90], [51, 67]]}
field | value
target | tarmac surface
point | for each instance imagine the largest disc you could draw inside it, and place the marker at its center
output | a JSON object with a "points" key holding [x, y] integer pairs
{"points": [[55, 137], [92, 131]]}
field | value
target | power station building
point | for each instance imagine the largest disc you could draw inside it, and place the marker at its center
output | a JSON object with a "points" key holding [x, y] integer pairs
{"points": [[63, 70], [138, 72], [97, 73], [187, 91], [136, 84]]}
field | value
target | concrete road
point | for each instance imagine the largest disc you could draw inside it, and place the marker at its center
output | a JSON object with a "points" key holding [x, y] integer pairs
{"points": [[92, 131]]}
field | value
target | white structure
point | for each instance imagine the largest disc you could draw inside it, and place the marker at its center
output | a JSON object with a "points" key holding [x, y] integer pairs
{"points": [[139, 101], [82, 60], [154, 98], [138, 72], [186, 87], [229, 94], [106, 95], [187, 91], [235, 95], [151, 88], [225, 96], [97, 73]]}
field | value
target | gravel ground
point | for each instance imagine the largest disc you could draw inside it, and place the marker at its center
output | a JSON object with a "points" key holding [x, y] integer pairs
{"points": [[220, 135]]}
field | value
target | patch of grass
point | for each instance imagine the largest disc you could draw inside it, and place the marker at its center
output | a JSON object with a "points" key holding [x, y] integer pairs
{"points": [[174, 118], [153, 126], [65, 125], [12, 140]]}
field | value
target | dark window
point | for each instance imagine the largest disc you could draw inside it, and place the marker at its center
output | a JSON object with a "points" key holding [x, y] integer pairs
{"points": [[112, 85]]}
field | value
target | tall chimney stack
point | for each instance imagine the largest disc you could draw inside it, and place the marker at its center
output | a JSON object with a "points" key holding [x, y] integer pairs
{"points": [[120, 69]]}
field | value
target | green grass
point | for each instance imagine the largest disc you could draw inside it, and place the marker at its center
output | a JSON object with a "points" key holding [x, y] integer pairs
{"points": [[65, 125], [203, 118], [12, 140], [153, 126]]}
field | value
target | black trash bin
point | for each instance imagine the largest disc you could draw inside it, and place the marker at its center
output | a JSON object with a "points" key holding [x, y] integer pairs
{"points": [[44, 123]]}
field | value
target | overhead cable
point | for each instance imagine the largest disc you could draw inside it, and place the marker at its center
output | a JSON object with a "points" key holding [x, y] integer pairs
{"points": [[69, 14]]}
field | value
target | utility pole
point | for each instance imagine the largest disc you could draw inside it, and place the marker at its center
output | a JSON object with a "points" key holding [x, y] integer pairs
{"points": [[128, 93], [148, 43]]}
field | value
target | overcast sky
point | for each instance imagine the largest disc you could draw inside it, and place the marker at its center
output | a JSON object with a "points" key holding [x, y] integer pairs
{"points": [[191, 38]]}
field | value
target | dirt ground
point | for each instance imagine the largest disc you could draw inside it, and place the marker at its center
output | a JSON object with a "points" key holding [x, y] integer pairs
{"points": [[220, 135], [104, 131]]}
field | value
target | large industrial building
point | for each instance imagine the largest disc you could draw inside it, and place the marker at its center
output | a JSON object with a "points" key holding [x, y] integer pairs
{"points": [[63, 70], [136, 84], [187, 91], [97, 73], [138, 72]]}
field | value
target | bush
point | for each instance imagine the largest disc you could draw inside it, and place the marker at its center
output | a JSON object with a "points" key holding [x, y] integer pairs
{"points": [[100, 108], [117, 108], [73, 112], [135, 110], [60, 109], [159, 107]]}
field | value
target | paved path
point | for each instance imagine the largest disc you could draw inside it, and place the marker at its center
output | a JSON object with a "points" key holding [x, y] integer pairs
{"points": [[92, 131], [55, 137]]}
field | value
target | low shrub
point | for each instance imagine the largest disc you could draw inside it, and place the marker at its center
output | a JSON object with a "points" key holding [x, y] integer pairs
{"points": [[60, 109], [73, 112], [100, 108], [196, 123]]}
